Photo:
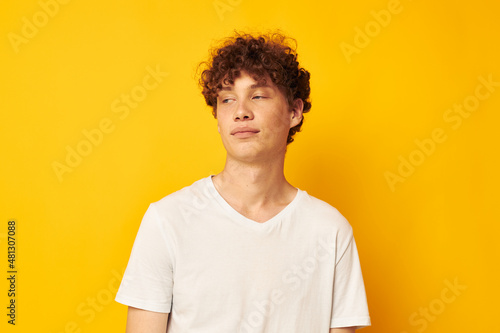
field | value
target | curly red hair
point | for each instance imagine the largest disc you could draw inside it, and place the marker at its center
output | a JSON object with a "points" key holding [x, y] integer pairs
{"points": [[267, 54]]}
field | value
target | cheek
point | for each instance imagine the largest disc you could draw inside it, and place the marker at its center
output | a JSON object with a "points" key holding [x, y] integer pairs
{"points": [[280, 122], [222, 123]]}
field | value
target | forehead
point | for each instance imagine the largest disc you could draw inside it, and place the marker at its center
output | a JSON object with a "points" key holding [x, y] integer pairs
{"points": [[247, 81]]}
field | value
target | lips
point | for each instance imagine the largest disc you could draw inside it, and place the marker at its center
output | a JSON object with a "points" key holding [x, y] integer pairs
{"points": [[244, 130]]}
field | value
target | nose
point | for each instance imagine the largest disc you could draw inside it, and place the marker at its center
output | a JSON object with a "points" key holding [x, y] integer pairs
{"points": [[243, 111]]}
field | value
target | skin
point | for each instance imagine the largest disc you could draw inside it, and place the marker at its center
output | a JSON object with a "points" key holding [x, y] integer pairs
{"points": [[252, 180], [343, 330], [142, 321]]}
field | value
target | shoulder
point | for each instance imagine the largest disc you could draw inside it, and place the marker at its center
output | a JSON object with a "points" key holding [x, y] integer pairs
{"points": [[193, 196], [327, 222], [322, 214]]}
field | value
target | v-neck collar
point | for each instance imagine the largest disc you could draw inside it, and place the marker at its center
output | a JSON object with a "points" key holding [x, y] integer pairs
{"points": [[241, 219]]}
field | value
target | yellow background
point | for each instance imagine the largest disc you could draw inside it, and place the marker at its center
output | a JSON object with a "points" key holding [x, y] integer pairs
{"points": [[75, 232]]}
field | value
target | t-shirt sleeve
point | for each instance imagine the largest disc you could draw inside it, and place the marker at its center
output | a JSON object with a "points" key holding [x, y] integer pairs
{"points": [[148, 279], [350, 307]]}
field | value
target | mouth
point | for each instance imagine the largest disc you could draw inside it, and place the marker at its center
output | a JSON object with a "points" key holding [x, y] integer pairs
{"points": [[245, 134]]}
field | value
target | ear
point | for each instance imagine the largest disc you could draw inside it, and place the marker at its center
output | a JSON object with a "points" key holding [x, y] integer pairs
{"points": [[296, 112]]}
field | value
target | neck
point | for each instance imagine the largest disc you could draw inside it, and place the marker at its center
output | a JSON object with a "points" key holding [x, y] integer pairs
{"points": [[254, 186]]}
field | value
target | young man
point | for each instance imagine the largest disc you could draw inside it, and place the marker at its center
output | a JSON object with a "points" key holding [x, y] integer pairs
{"points": [[244, 250]]}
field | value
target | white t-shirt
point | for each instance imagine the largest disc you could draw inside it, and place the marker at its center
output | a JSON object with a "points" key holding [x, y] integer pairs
{"points": [[215, 270]]}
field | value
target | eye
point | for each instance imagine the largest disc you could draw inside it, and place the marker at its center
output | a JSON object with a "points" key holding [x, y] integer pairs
{"points": [[259, 97], [226, 100]]}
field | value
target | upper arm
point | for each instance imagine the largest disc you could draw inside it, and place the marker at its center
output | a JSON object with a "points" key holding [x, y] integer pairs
{"points": [[343, 330], [142, 321]]}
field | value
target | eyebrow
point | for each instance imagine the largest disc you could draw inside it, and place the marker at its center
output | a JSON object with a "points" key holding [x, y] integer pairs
{"points": [[253, 86]]}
